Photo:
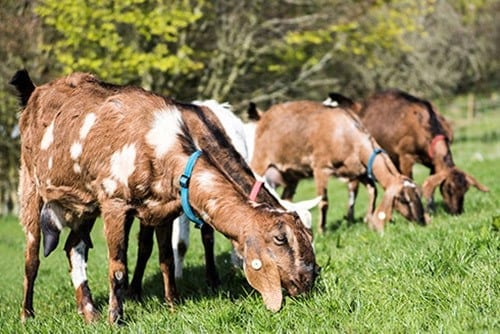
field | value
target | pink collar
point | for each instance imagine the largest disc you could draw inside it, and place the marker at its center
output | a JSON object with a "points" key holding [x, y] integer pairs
{"points": [[255, 190], [433, 143]]}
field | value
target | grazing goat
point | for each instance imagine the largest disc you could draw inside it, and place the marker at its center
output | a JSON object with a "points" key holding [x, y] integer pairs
{"points": [[298, 139], [90, 148], [236, 131], [411, 131]]}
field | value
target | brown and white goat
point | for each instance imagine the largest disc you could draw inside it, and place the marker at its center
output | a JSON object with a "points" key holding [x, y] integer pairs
{"points": [[90, 148], [411, 131], [299, 139], [235, 130]]}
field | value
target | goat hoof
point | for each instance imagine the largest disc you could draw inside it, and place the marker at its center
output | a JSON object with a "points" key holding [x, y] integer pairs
{"points": [[89, 313], [91, 317], [27, 314], [115, 317], [213, 283], [134, 294]]}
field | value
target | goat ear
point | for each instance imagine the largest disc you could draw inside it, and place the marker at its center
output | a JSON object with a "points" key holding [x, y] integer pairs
{"points": [[384, 211], [262, 274], [431, 183], [304, 205], [472, 181], [253, 113]]}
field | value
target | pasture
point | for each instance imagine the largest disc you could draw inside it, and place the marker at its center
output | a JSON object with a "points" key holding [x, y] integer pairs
{"points": [[440, 278]]}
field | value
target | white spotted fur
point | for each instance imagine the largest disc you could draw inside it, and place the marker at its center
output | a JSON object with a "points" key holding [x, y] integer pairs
{"points": [[163, 133], [48, 137], [78, 264]]}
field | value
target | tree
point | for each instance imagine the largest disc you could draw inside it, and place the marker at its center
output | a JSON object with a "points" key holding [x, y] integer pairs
{"points": [[132, 41], [19, 35]]}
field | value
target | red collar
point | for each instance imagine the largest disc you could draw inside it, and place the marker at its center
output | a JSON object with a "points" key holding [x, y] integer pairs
{"points": [[433, 143], [255, 190]]}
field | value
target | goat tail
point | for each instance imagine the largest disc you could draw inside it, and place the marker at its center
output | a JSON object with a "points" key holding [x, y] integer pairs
{"points": [[25, 87]]}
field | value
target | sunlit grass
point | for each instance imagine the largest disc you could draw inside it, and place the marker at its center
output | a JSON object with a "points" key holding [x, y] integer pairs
{"points": [[439, 278]]}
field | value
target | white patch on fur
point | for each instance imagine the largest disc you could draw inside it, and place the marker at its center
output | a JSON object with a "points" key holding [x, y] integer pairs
{"points": [[76, 150], [352, 198], [78, 264], [157, 187], [123, 163], [249, 129], [87, 125], [151, 203], [76, 168], [180, 235], [163, 134], [205, 179], [109, 186], [50, 162], [89, 307], [31, 237], [56, 214], [409, 184], [48, 137], [212, 203], [330, 103], [232, 124]]}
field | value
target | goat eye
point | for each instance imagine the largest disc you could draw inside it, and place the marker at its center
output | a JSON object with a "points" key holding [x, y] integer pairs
{"points": [[280, 239]]}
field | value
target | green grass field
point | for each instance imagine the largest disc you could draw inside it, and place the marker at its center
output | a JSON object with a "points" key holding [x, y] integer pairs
{"points": [[440, 278]]}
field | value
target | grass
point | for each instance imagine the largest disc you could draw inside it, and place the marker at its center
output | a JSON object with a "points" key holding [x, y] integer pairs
{"points": [[439, 278]]}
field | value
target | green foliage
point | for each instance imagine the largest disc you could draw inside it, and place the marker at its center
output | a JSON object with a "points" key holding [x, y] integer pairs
{"points": [[440, 278], [381, 26], [120, 41]]}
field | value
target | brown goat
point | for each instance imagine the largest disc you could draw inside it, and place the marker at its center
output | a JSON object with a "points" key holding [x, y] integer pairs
{"points": [[422, 135], [90, 148], [299, 139]]}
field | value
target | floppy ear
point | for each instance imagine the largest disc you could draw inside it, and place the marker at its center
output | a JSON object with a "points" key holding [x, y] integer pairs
{"points": [[383, 213], [472, 181], [262, 274], [431, 183]]}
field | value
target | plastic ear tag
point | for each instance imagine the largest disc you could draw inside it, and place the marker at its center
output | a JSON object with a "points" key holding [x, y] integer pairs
{"points": [[256, 264], [381, 215]]}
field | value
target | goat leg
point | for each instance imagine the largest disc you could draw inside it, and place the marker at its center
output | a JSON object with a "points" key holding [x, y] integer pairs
{"points": [[30, 219], [211, 276], [115, 218], [353, 187], [77, 248], [321, 181], [166, 257], [144, 253]]}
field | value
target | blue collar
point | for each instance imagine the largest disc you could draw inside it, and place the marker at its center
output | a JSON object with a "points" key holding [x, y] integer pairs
{"points": [[369, 167], [184, 182]]}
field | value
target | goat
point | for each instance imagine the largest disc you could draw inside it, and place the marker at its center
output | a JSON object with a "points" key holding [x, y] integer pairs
{"points": [[91, 148], [298, 139], [422, 135], [237, 132]]}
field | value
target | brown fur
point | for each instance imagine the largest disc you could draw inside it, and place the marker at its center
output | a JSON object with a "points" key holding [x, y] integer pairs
{"points": [[120, 173], [304, 138], [418, 122]]}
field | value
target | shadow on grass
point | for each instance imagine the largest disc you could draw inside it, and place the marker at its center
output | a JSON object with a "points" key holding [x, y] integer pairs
{"points": [[342, 223], [193, 286]]}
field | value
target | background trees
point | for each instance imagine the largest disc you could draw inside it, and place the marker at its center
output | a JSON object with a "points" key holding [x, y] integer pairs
{"points": [[237, 51]]}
